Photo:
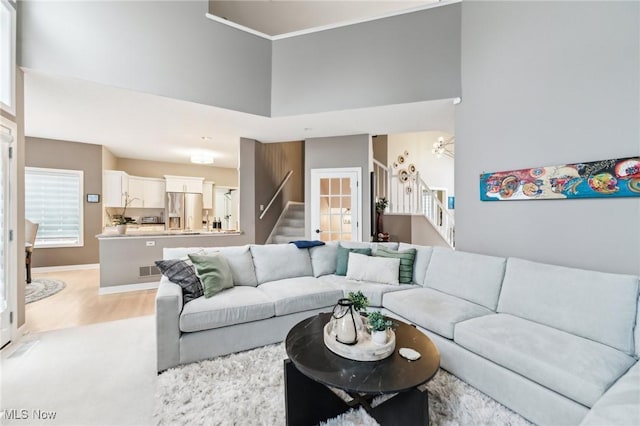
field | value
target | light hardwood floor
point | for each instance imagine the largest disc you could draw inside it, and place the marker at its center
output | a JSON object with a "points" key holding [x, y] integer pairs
{"points": [[80, 304]]}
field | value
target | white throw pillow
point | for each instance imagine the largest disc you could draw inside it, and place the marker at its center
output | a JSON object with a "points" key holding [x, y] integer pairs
{"points": [[383, 270]]}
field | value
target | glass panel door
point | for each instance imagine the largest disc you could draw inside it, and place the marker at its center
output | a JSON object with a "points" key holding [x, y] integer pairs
{"points": [[334, 205]]}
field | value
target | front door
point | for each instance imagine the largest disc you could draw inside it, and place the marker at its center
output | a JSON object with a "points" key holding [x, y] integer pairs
{"points": [[336, 204]]}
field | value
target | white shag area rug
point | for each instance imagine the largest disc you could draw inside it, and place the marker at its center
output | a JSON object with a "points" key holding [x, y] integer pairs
{"points": [[39, 288], [247, 388]]}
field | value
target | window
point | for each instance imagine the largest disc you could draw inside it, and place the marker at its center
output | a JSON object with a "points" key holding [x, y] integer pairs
{"points": [[53, 199], [7, 56]]}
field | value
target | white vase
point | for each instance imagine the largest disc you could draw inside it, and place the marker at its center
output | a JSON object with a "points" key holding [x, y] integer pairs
{"points": [[122, 229], [379, 337]]}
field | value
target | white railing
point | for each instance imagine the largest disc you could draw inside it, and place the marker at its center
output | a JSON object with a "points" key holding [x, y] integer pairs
{"points": [[409, 194]]}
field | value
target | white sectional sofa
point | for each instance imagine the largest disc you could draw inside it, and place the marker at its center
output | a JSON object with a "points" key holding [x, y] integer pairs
{"points": [[554, 344]]}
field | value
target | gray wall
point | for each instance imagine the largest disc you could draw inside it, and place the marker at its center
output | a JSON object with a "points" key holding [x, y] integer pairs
{"points": [[58, 154], [119, 267], [546, 83], [273, 161], [336, 152], [167, 48], [406, 58]]}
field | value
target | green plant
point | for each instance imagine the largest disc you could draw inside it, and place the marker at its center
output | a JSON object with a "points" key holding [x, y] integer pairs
{"points": [[381, 204], [122, 220], [359, 300], [378, 322]]}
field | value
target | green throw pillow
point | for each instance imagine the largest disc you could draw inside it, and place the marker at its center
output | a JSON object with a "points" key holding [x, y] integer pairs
{"points": [[214, 272], [342, 258], [407, 257]]}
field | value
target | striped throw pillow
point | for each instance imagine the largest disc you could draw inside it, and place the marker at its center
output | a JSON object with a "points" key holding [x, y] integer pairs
{"points": [[407, 257]]}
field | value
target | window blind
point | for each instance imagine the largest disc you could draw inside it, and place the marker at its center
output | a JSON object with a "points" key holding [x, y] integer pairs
{"points": [[53, 199]]}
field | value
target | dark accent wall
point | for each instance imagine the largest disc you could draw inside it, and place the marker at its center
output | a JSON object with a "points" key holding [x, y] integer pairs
{"points": [[56, 154], [547, 83], [273, 161]]}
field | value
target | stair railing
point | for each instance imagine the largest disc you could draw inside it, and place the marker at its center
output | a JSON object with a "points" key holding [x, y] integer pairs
{"points": [[409, 194], [275, 195]]}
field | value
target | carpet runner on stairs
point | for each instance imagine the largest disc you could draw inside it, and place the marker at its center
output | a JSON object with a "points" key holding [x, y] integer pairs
{"points": [[291, 225]]}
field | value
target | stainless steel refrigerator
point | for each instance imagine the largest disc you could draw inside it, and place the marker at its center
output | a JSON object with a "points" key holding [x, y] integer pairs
{"points": [[183, 211]]}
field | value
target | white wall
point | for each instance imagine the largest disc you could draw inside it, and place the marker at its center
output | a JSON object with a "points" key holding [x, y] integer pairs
{"points": [[547, 83], [436, 172]]}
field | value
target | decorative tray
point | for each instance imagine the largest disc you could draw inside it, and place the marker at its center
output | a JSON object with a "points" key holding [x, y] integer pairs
{"points": [[364, 350]]}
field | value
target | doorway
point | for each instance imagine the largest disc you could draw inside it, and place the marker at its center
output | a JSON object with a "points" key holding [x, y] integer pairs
{"points": [[8, 278], [336, 204]]}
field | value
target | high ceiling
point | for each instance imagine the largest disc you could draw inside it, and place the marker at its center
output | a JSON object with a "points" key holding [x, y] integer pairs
{"points": [[144, 126], [277, 17]]}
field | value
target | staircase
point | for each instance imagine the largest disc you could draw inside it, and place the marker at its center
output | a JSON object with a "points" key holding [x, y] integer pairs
{"points": [[413, 196], [290, 226]]}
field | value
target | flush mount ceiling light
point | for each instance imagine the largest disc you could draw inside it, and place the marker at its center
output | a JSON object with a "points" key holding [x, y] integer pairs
{"points": [[206, 138], [443, 147], [202, 159]]}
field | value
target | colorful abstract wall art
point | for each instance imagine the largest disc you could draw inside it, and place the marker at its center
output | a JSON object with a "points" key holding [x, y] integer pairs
{"points": [[597, 179]]}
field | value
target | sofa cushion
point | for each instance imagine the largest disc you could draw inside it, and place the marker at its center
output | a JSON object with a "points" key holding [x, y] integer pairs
{"points": [[407, 258], [323, 259], [373, 291], [280, 261], [376, 269], [595, 305], [213, 271], [184, 274], [238, 257], [342, 258], [577, 368], [233, 306], [423, 255], [473, 277], [431, 309], [620, 405], [300, 294], [372, 246]]}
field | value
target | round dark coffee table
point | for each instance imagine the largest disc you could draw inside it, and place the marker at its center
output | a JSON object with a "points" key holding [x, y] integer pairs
{"points": [[312, 367]]}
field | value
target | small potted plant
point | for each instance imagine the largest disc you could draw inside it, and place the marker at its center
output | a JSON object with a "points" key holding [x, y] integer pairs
{"points": [[379, 326], [120, 220], [360, 303]]}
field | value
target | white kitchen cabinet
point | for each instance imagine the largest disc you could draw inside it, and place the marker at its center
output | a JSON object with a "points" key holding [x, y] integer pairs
{"points": [[146, 192], [136, 191], [115, 185], [154, 190], [207, 195], [184, 184]]}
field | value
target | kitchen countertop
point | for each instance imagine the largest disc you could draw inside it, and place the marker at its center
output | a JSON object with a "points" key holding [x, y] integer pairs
{"points": [[163, 234]]}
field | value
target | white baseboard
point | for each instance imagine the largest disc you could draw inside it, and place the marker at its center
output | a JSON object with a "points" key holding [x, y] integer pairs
{"points": [[125, 288], [61, 268]]}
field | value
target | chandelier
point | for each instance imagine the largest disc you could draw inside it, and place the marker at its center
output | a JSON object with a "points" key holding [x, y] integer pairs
{"points": [[443, 147]]}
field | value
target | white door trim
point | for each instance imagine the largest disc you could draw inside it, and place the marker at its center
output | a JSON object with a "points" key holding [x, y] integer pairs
{"points": [[12, 250], [314, 198]]}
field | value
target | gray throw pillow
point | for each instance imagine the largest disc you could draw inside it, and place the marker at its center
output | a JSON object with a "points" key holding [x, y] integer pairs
{"points": [[214, 272], [182, 273]]}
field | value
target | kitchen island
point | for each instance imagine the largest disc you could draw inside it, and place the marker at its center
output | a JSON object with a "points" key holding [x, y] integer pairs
{"points": [[127, 260]]}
